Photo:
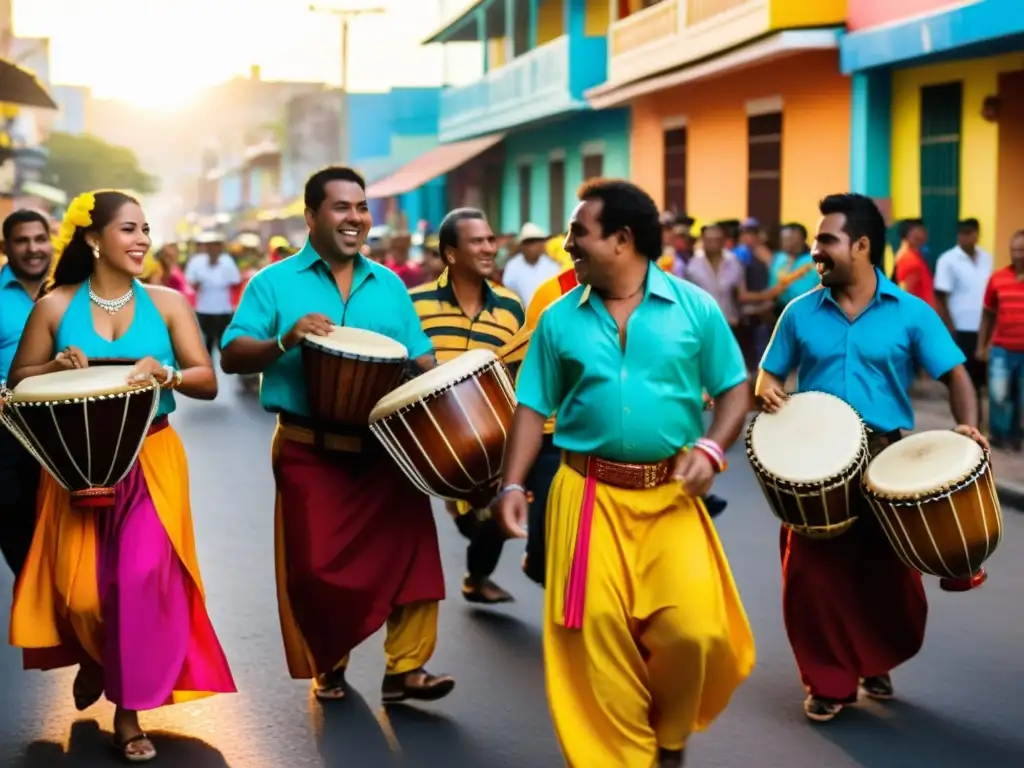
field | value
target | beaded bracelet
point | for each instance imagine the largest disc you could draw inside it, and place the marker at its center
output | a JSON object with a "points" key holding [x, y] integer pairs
{"points": [[713, 451]]}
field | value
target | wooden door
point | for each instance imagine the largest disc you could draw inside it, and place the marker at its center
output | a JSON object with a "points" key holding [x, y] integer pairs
{"points": [[556, 196], [941, 118], [764, 172], [675, 170]]}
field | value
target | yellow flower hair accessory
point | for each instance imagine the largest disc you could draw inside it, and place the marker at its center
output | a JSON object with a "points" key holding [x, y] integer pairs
{"points": [[79, 214]]}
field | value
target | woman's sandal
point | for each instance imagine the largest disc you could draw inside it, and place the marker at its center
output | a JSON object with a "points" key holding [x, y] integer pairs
{"points": [[143, 751], [86, 691]]}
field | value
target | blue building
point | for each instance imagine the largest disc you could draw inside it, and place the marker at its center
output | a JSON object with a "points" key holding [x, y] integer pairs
{"points": [[518, 140]]}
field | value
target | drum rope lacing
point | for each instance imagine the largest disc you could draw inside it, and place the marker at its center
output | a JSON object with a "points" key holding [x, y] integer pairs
{"points": [[110, 306]]}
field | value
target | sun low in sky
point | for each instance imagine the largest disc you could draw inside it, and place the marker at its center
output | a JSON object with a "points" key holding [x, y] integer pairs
{"points": [[158, 53]]}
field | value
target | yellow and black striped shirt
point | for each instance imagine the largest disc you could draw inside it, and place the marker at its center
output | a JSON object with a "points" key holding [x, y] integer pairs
{"points": [[453, 332]]}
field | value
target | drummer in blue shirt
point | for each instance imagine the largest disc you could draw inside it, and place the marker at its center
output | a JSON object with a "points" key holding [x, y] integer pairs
{"points": [[29, 253], [853, 611], [793, 258]]}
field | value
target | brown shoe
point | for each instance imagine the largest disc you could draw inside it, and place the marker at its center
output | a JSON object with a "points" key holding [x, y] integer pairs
{"points": [[821, 710], [330, 686], [417, 684], [482, 590], [671, 758], [878, 687]]}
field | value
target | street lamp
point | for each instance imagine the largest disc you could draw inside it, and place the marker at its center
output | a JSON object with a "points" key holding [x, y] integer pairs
{"points": [[346, 15]]}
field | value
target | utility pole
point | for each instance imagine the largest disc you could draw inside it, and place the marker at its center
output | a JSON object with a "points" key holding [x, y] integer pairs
{"points": [[346, 15]]}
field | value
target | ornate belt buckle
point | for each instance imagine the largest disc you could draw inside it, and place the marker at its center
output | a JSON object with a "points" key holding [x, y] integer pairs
{"points": [[650, 476]]}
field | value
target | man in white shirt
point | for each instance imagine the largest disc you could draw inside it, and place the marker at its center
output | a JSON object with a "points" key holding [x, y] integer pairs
{"points": [[531, 267], [212, 275], [961, 274]]}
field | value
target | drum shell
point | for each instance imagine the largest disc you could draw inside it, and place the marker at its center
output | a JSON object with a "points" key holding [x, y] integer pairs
{"points": [[948, 534], [818, 510], [451, 443], [88, 442], [342, 389]]}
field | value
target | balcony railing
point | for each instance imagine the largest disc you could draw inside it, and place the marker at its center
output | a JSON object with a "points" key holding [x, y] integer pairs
{"points": [[644, 27], [702, 10], [544, 82]]}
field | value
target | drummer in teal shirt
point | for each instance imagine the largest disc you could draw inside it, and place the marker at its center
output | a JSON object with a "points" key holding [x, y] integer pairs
{"points": [[285, 293], [794, 255]]}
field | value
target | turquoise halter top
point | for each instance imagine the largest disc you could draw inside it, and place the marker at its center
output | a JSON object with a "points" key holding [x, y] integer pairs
{"points": [[146, 337]]}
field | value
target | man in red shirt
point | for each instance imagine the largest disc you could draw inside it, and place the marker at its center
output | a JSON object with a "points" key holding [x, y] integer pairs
{"points": [[912, 272], [398, 261], [1001, 339]]}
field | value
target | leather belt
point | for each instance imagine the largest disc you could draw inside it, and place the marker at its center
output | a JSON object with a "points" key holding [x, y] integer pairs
{"points": [[325, 441], [629, 476]]}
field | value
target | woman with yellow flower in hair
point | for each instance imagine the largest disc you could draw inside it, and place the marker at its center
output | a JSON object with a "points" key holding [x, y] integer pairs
{"points": [[119, 593]]}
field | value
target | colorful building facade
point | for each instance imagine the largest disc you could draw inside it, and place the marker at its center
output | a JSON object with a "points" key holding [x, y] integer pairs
{"points": [[738, 107], [938, 105], [518, 140]]}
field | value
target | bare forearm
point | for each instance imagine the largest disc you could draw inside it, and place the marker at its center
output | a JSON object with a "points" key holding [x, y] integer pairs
{"points": [[731, 408], [246, 355], [199, 382], [985, 330], [963, 401], [524, 443]]}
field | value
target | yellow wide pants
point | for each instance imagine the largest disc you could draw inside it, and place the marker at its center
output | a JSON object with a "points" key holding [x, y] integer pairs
{"points": [[665, 640]]}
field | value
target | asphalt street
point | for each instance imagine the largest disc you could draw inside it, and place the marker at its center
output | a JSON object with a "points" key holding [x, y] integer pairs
{"points": [[959, 701]]}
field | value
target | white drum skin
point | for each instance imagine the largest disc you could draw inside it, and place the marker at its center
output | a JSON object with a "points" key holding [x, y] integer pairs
{"points": [[808, 459]]}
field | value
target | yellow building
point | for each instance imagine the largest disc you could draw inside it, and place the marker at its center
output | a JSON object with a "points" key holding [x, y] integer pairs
{"points": [[936, 129]]}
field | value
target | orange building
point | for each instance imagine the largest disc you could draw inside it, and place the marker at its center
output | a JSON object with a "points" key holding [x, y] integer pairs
{"points": [[738, 107]]}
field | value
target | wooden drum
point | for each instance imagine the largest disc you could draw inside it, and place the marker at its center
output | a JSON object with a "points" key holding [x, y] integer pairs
{"points": [[935, 497], [84, 426], [447, 428], [348, 371], [809, 458]]}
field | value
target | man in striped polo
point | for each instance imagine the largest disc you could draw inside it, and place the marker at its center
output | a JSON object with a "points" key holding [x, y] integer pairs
{"points": [[459, 311]]}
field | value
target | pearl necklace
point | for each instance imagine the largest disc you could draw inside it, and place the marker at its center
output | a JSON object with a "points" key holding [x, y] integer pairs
{"points": [[110, 306]]}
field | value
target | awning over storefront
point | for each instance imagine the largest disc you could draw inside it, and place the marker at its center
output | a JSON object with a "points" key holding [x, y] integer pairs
{"points": [[18, 86], [45, 192], [776, 46], [960, 27], [428, 166]]}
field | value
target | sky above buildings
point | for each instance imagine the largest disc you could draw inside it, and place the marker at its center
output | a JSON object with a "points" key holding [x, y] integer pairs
{"points": [[158, 53]]}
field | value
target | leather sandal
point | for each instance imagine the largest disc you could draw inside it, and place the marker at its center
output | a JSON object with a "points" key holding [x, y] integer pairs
{"points": [[141, 754], [416, 684]]}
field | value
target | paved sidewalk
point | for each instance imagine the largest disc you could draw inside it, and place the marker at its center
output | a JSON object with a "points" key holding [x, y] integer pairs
{"points": [[932, 412]]}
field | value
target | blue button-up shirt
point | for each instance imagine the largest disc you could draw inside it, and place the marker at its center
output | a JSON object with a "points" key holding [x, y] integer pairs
{"points": [[15, 307], [642, 403], [281, 294], [781, 267], [869, 362]]}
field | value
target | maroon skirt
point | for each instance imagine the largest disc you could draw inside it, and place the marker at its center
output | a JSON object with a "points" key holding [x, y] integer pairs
{"points": [[852, 609], [358, 540]]}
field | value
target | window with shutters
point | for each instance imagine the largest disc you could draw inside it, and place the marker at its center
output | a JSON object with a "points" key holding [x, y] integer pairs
{"points": [[941, 118], [675, 170], [556, 196], [764, 172], [593, 166], [525, 179]]}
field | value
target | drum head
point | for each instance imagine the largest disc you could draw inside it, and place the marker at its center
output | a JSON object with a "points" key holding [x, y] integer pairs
{"points": [[436, 379], [360, 343], [74, 384], [813, 437], [923, 463]]}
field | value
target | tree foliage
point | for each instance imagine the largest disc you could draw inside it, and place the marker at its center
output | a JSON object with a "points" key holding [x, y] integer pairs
{"points": [[79, 163]]}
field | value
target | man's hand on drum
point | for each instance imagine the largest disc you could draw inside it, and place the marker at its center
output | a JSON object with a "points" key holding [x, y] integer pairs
{"points": [[974, 434], [313, 323], [513, 511], [70, 358], [772, 391], [147, 368], [695, 471]]}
